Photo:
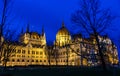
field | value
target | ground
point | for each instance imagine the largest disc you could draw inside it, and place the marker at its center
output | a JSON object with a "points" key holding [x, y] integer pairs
{"points": [[59, 71]]}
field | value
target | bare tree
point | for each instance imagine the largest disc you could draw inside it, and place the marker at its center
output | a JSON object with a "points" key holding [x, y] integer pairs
{"points": [[4, 21], [8, 48], [55, 54], [49, 52], [4, 15], [93, 20]]}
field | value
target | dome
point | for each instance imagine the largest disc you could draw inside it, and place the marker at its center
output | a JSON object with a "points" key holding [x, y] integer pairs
{"points": [[63, 36], [63, 30]]}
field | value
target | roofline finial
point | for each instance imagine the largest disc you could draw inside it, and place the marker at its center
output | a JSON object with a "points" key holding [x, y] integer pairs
{"points": [[63, 24], [43, 30], [28, 29]]}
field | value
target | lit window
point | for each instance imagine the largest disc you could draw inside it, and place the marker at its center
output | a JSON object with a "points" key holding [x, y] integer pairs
{"points": [[18, 55], [13, 60], [23, 51], [36, 60], [19, 51], [33, 52], [13, 55], [41, 53], [37, 52], [23, 60], [33, 56], [37, 56], [32, 60], [28, 51], [40, 56], [40, 60], [18, 60], [23, 55]]}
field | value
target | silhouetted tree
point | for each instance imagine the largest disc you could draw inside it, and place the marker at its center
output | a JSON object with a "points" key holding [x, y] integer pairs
{"points": [[4, 20], [67, 53], [8, 48], [55, 54], [5, 12], [49, 53], [93, 20]]}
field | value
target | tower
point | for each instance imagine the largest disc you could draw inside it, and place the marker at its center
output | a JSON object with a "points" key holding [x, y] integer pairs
{"points": [[27, 29], [27, 35], [43, 40]]}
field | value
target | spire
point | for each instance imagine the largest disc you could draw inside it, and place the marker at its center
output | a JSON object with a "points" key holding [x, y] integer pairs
{"points": [[63, 24], [22, 31], [27, 30], [43, 30]]}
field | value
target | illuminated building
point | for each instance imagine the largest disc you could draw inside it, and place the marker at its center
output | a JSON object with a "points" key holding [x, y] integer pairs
{"points": [[67, 50], [31, 50]]}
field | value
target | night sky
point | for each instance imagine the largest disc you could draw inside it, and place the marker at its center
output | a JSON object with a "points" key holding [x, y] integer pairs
{"points": [[51, 13]]}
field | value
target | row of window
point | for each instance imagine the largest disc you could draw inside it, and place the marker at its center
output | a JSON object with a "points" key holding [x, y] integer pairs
{"points": [[29, 56], [30, 52], [18, 60]]}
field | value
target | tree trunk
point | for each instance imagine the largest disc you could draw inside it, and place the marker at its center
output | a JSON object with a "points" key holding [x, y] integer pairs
{"points": [[81, 56], [100, 53], [49, 53], [56, 62], [67, 54]]}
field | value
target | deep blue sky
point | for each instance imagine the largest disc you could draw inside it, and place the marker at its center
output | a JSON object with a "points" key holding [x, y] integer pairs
{"points": [[51, 13]]}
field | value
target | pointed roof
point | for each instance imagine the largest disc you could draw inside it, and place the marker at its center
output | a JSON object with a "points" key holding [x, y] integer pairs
{"points": [[22, 31], [43, 30], [63, 24], [27, 29], [63, 29]]}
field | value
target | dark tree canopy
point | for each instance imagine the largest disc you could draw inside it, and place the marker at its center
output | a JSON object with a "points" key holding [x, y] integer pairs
{"points": [[91, 17], [93, 20]]}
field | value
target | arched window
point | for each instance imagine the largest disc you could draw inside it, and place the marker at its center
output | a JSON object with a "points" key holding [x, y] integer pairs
{"points": [[36, 60], [13, 60], [18, 60], [22, 60], [32, 60]]}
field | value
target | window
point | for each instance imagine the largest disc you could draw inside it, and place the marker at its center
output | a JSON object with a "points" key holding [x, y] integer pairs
{"points": [[19, 51], [41, 53], [51, 60], [23, 51], [32, 60], [44, 60], [28, 51], [37, 56], [13, 55], [36, 60], [40, 56], [27, 60], [18, 60], [33, 56], [23, 55], [37, 52], [18, 55], [40, 60], [13, 60], [33, 52], [22, 60]]}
